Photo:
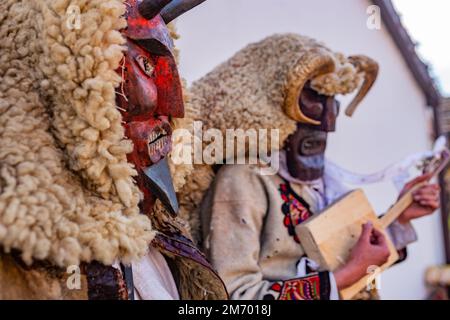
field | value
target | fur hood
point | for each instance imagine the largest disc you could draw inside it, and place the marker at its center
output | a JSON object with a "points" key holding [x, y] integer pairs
{"points": [[67, 193], [256, 88]]}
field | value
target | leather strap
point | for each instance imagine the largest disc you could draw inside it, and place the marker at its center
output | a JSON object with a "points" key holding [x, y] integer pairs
{"points": [[127, 272]]}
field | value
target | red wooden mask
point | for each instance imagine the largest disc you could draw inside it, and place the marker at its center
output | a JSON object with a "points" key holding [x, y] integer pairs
{"points": [[149, 97]]}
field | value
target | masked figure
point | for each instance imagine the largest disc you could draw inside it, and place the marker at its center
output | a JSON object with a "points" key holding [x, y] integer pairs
{"points": [[89, 96], [247, 218]]}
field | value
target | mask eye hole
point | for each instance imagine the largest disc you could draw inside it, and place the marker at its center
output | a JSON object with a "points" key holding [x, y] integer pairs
{"points": [[311, 104], [145, 65]]}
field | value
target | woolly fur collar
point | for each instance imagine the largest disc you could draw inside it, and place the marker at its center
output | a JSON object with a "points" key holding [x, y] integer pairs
{"points": [[66, 189]]}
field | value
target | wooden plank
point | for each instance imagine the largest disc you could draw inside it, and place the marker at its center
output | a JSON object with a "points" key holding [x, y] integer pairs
{"points": [[329, 237]]}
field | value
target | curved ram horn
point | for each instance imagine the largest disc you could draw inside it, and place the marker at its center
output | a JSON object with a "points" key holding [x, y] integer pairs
{"points": [[150, 8], [177, 7], [370, 69], [311, 66]]}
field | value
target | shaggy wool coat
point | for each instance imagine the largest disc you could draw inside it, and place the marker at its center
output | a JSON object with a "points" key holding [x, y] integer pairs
{"points": [[67, 194]]}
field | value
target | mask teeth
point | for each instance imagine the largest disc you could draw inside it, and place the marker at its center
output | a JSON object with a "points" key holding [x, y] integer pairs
{"points": [[154, 147], [150, 149], [154, 136], [157, 145]]}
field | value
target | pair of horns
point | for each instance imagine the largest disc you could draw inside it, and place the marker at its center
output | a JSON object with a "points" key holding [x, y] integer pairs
{"points": [[169, 9]]}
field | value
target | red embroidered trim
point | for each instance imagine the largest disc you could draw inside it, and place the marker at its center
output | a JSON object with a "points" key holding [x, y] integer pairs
{"points": [[295, 210], [307, 288]]}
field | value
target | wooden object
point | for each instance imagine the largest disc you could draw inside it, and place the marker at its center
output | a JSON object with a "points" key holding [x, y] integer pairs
{"points": [[328, 238]]}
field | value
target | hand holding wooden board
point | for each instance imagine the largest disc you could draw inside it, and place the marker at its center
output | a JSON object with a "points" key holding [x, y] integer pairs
{"points": [[329, 237]]}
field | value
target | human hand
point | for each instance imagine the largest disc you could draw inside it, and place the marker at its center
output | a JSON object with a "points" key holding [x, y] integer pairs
{"points": [[370, 250], [426, 200]]}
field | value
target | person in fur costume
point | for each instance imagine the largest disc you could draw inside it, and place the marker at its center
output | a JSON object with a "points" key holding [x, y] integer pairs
{"points": [[246, 220], [89, 93]]}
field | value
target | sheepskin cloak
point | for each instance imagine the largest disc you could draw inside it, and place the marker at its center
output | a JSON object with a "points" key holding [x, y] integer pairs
{"points": [[67, 194], [66, 189]]}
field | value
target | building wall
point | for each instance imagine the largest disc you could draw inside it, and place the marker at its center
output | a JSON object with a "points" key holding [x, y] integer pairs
{"points": [[392, 122]]}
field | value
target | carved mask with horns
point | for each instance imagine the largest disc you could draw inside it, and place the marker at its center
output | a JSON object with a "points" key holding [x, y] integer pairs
{"points": [[151, 95], [311, 103]]}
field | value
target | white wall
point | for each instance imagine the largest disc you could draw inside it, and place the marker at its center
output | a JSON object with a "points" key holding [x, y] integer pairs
{"points": [[392, 122]]}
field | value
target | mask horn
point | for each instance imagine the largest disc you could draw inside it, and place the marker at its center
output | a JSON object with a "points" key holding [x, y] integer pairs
{"points": [[150, 8], [313, 65], [370, 70], [177, 7]]}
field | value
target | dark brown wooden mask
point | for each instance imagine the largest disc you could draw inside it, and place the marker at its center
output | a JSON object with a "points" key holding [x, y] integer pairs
{"points": [[305, 148]]}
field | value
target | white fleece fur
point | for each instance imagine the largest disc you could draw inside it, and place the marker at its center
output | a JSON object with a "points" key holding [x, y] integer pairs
{"points": [[66, 189]]}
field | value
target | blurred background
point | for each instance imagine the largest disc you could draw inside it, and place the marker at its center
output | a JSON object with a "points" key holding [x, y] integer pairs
{"points": [[403, 114]]}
